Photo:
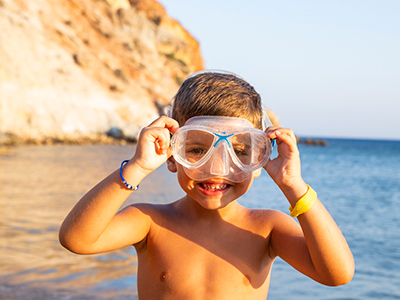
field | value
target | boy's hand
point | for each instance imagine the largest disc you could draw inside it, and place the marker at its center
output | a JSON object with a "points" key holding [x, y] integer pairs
{"points": [[153, 147], [285, 169]]}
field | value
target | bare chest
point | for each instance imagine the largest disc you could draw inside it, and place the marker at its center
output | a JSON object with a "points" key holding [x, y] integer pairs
{"points": [[205, 264]]}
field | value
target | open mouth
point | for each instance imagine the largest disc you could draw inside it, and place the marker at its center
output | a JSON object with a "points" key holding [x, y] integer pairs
{"points": [[213, 187]]}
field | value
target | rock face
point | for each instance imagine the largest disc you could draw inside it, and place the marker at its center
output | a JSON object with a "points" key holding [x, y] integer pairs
{"points": [[79, 68]]}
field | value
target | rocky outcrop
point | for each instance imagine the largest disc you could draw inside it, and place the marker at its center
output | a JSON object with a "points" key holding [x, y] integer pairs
{"points": [[73, 69], [312, 142]]}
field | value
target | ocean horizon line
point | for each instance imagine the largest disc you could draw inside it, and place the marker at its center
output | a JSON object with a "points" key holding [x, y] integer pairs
{"points": [[327, 138]]}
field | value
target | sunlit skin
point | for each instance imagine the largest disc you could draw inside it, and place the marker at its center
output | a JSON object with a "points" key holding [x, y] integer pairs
{"points": [[206, 245]]}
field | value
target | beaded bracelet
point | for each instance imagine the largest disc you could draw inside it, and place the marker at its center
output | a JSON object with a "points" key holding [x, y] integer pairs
{"points": [[123, 179], [304, 203]]}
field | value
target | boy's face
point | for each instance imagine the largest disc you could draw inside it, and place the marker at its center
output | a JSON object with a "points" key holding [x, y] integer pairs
{"points": [[214, 193], [217, 158]]}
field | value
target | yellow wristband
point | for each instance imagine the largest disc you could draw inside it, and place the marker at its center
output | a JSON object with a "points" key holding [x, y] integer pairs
{"points": [[304, 203]]}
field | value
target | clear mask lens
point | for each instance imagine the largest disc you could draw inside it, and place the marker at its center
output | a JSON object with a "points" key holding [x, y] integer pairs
{"points": [[223, 147]]}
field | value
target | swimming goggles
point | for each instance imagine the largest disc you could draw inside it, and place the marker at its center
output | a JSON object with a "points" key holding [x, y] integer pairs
{"points": [[220, 147]]}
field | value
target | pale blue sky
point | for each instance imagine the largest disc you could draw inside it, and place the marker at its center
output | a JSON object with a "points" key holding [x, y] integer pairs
{"points": [[327, 68]]}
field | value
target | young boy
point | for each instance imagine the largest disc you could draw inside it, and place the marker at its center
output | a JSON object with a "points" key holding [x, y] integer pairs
{"points": [[206, 245]]}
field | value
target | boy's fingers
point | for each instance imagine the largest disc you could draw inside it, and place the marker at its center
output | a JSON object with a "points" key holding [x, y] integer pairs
{"points": [[171, 124], [160, 137], [164, 144], [274, 132], [283, 134]]}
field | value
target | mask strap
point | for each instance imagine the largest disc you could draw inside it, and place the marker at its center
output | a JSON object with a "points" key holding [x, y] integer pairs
{"points": [[266, 122], [169, 111]]}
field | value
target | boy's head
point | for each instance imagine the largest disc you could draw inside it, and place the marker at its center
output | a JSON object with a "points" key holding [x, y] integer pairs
{"points": [[217, 93], [213, 162]]}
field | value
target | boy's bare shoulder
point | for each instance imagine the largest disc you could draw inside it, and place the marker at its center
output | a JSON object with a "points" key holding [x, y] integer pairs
{"points": [[152, 210], [267, 218], [265, 214], [155, 216]]}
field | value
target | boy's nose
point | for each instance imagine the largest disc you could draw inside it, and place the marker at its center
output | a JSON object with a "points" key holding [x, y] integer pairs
{"points": [[220, 162]]}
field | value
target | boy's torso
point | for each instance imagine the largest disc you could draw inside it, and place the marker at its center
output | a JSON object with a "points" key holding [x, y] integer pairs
{"points": [[184, 258]]}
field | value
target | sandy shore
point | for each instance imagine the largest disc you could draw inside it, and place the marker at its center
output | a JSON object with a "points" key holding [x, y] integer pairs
{"points": [[26, 292]]}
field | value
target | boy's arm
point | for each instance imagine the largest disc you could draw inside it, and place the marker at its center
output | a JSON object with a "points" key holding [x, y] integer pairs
{"points": [[94, 225], [317, 249]]}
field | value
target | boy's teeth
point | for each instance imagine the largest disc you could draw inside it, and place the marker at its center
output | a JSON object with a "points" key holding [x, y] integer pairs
{"points": [[214, 187]]}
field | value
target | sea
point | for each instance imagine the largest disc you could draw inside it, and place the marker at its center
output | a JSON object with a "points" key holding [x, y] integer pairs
{"points": [[357, 180]]}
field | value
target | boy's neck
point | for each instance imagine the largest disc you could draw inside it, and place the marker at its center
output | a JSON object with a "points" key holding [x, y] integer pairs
{"points": [[194, 210]]}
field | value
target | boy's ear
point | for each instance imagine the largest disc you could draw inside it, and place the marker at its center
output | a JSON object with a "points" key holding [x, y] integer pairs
{"points": [[257, 173], [171, 164]]}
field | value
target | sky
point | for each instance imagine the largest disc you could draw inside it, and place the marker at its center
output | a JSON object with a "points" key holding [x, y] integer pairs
{"points": [[327, 68]]}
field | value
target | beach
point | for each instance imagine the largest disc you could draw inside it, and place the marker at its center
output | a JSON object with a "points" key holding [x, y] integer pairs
{"points": [[358, 181]]}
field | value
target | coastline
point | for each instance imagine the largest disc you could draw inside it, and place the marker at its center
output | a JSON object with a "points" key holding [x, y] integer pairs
{"points": [[108, 138], [9, 142], [31, 292], [26, 292]]}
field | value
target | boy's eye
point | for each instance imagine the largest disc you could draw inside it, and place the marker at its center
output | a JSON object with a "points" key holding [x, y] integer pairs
{"points": [[241, 149], [241, 144], [196, 151], [240, 152], [243, 153]]}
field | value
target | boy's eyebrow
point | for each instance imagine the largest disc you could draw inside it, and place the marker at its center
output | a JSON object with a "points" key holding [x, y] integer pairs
{"points": [[198, 143], [239, 143]]}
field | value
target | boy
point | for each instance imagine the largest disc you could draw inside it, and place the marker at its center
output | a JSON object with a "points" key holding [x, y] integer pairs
{"points": [[206, 245]]}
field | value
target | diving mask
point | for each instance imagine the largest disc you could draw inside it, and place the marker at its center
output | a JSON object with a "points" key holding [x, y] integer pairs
{"points": [[224, 147]]}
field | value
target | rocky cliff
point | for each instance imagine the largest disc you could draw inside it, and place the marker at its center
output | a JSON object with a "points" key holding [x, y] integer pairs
{"points": [[79, 68]]}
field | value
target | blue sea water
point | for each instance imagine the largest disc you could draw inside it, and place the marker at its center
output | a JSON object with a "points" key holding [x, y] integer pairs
{"points": [[359, 183], [357, 180]]}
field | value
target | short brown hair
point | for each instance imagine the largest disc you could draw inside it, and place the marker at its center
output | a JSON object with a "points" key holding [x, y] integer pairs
{"points": [[216, 93]]}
